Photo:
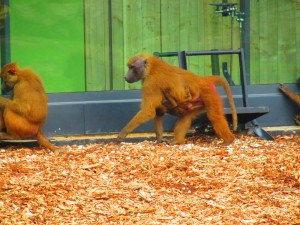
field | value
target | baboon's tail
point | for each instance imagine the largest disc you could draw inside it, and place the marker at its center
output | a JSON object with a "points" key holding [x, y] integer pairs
{"points": [[44, 141], [220, 81]]}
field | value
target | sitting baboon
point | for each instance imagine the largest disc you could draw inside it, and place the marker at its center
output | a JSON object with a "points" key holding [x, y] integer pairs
{"points": [[23, 115]]}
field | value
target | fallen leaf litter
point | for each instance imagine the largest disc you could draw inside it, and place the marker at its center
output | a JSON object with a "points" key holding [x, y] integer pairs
{"points": [[251, 181]]}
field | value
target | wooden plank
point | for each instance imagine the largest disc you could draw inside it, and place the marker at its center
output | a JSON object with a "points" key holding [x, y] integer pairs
{"points": [[274, 49], [183, 32], [96, 45], [287, 42], [213, 31], [156, 25], [191, 32], [136, 28], [268, 18], [174, 25], [133, 32], [151, 26], [201, 36], [170, 28], [254, 43], [118, 59], [218, 36]]}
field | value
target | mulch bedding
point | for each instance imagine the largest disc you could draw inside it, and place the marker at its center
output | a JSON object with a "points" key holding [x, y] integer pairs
{"points": [[251, 181]]}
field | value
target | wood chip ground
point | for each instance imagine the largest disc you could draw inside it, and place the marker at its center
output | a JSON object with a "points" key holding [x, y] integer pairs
{"points": [[251, 181]]}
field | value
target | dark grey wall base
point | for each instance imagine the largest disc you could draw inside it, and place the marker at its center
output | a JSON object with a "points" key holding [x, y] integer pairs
{"points": [[108, 112]]}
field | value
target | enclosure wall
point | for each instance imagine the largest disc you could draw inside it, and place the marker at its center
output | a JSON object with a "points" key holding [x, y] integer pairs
{"points": [[83, 45]]}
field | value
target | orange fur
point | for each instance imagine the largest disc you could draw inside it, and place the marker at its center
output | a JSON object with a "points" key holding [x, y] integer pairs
{"points": [[23, 116], [161, 82], [180, 108]]}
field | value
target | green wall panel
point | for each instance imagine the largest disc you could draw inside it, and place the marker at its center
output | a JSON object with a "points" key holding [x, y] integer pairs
{"points": [[97, 45], [118, 63], [168, 25], [274, 41], [141, 20], [75, 45], [48, 36]]}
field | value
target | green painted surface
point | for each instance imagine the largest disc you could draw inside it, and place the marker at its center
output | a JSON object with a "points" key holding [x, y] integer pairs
{"points": [[275, 41], [97, 45], [48, 36], [167, 25], [67, 41]]}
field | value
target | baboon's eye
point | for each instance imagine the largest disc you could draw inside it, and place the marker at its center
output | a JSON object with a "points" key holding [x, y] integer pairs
{"points": [[12, 71]]}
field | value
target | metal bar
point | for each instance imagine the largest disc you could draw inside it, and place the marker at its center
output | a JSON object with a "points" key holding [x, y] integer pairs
{"points": [[215, 65], [226, 74], [245, 35], [212, 52], [195, 53], [182, 59], [243, 79], [165, 54]]}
